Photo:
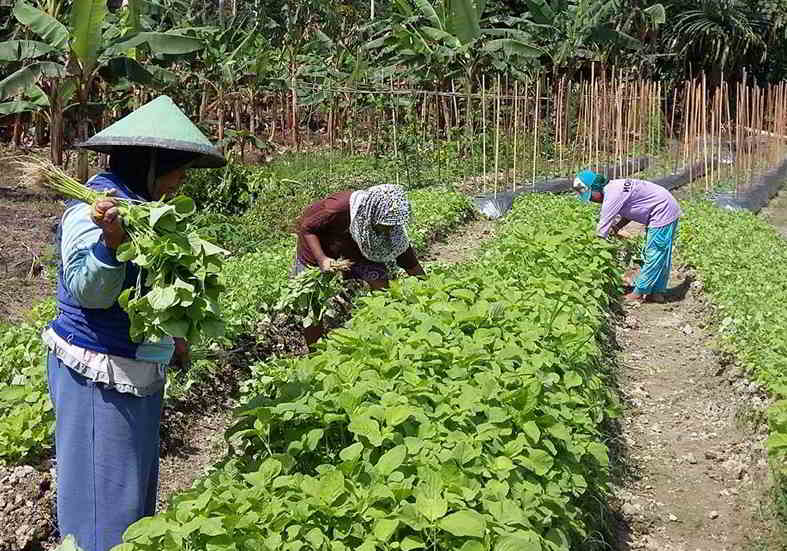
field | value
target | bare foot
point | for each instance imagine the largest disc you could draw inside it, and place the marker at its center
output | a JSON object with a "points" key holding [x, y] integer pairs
{"points": [[634, 297]]}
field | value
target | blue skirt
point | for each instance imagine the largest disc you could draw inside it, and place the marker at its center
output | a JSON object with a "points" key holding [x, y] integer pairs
{"points": [[107, 449], [656, 260]]}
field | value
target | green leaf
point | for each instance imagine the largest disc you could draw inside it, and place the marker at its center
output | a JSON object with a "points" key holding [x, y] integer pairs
{"points": [[211, 527], [331, 486], [315, 537], [162, 298], [87, 21], [532, 431], [384, 528], [466, 523], [313, 438], [599, 452], [164, 215], [410, 543], [542, 461], [69, 544], [124, 297], [184, 206], [176, 328], [126, 251], [146, 529], [26, 77], [657, 14], [472, 545], [541, 11], [397, 415], [572, 379], [391, 460], [269, 470], [367, 427], [17, 50], [513, 48], [464, 21], [351, 452], [524, 540], [14, 107], [130, 69], [429, 12], [170, 43], [431, 506], [52, 31]]}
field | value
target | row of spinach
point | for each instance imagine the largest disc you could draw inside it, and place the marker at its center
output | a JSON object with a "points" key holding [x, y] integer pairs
{"points": [[254, 282], [462, 412]]}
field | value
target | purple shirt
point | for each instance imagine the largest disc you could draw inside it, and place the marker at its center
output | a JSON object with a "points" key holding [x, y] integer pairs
{"points": [[638, 200]]}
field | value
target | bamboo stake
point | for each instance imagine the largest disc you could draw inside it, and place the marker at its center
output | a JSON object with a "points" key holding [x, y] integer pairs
{"points": [[483, 117], [516, 127], [535, 129], [395, 139]]}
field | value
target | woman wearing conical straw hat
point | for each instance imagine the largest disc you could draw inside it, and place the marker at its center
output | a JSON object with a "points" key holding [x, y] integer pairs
{"points": [[627, 199], [106, 389]]}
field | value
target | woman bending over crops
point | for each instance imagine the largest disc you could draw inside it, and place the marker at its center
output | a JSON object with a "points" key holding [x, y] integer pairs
{"points": [[107, 390], [366, 227], [643, 202]]}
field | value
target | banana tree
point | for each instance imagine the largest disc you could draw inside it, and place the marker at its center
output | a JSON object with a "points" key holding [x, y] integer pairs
{"points": [[67, 59], [449, 35], [576, 30]]}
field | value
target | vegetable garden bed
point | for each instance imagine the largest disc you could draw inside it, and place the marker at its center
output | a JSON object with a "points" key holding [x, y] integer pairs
{"points": [[461, 412], [254, 283]]}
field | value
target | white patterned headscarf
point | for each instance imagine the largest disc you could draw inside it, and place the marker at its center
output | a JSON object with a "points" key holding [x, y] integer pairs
{"points": [[384, 205]]}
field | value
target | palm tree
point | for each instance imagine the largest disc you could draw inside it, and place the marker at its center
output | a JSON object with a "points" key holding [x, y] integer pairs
{"points": [[716, 36]]}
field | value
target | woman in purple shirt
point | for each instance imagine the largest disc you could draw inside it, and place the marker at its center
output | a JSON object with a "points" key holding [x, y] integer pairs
{"points": [[643, 202]]}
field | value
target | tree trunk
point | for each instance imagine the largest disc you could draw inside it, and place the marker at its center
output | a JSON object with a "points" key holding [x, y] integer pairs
{"points": [[220, 110], [203, 108], [238, 117], [56, 130], [40, 129], [18, 130], [294, 119]]}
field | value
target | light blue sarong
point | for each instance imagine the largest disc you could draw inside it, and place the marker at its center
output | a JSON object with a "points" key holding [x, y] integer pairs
{"points": [[656, 260]]}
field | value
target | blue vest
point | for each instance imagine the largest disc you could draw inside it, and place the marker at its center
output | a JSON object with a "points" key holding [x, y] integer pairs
{"points": [[100, 330]]}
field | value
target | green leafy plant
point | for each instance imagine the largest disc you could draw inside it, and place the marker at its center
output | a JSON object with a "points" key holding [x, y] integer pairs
{"points": [[310, 295], [26, 418], [460, 412]]}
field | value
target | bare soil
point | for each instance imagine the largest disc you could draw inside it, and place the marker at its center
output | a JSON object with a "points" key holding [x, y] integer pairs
{"points": [[28, 219]]}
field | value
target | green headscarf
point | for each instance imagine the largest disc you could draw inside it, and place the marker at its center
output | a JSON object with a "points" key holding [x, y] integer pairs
{"points": [[587, 181]]}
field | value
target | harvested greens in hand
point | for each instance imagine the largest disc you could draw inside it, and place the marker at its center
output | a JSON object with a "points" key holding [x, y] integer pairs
{"points": [[178, 288]]}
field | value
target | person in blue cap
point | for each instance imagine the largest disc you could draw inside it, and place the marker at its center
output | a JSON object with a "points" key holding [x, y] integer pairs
{"points": [[627, 199]]}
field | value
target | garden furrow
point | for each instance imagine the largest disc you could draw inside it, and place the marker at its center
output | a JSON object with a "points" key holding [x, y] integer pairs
{"points": [[692, 473]]}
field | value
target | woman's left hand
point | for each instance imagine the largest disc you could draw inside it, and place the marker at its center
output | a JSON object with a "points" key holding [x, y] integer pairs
{"points": [[182, 356]]}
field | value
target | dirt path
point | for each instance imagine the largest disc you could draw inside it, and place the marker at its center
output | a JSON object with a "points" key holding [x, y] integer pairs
{"points": [[693, 471], [462, 245], [776, 212]]}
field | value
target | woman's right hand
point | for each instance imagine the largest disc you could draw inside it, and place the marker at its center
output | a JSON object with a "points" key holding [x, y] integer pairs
{"points": [[325, 263], [107, 217]]}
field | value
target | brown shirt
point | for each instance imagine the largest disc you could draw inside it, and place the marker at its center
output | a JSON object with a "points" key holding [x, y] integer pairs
{"points": [[329, 220]]}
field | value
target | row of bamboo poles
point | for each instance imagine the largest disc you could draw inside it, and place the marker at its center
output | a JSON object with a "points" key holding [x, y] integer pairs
{"points": [[510, 133]]}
